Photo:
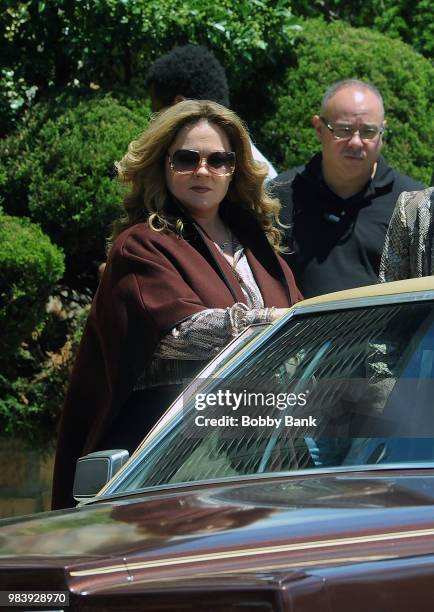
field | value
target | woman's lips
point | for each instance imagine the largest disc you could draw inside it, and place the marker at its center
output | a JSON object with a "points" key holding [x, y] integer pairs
{"points": [[200, 189]]}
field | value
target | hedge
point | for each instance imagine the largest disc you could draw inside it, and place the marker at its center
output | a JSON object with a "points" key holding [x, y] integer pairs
{"points": [[59, 172], [328, 52], [30, 267], [31, 398], [412, 22]]}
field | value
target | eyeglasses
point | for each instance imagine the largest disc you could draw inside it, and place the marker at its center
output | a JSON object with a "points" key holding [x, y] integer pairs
{"points": [[186, 161], [345, 132]]}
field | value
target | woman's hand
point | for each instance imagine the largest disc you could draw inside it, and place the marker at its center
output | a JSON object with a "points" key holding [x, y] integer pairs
{"points": [[278, 312]]}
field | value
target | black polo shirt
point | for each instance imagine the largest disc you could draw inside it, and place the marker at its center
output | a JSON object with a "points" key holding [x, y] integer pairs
{"points": [[336, 243]]}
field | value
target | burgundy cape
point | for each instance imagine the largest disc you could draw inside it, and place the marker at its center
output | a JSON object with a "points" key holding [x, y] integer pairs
{"points": [[152, 282]]}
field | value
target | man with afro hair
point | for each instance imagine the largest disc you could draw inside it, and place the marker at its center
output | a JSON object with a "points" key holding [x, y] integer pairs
{"points": [[191, 72]]}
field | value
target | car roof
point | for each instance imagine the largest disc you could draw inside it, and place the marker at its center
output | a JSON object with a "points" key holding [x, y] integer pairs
{"points": [[411, 285]]}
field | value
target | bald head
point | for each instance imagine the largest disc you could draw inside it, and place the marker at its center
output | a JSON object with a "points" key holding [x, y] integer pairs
{"points": [[354, 103], [355, 85]]}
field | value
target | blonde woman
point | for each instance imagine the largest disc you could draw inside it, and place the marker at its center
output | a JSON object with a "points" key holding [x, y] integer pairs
{"points": [[194, 261]]}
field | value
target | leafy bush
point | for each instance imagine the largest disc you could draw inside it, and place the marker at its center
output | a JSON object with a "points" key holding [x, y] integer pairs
{"points": [[329, 52], [31, 398], [15, 97], [30, 266], [411, 21], [108, 44], [59, 171]]}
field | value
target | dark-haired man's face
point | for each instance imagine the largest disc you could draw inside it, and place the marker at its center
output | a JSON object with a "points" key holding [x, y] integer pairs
{"points": [[157, 103]]}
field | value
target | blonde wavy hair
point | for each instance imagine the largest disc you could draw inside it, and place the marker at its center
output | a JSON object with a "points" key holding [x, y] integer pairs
{"points": [[142, 169]]}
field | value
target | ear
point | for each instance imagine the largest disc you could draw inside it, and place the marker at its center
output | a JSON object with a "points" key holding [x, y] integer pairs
{"points": [[179, 98], [318, 126], [381, 142]]}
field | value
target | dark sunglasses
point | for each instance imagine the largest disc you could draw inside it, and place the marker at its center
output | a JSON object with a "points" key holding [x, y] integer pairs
{"points": [[186, 161]]}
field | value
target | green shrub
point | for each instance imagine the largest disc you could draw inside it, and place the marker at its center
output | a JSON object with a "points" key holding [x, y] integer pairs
{"points": [[59, 172], [30, 265], [31, 398], [411, 21], [329, 52], [15, 97]]}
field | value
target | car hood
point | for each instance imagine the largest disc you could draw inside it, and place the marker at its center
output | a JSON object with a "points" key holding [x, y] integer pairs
{"points": [[258, 525]]}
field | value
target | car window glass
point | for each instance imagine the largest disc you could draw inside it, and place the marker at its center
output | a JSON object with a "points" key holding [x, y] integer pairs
{"points": [[362, 372]]}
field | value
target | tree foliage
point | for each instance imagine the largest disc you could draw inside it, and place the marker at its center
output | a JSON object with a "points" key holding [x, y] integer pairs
{"points": [[30, 267], [412, 22], [32, 397], [48, 45]]}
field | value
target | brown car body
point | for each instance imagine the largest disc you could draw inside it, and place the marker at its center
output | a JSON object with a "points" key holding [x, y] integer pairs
{"points": [[358, 540]]}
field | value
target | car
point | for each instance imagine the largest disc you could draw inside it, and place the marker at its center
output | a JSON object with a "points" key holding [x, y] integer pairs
{"points": [[295, 473]]}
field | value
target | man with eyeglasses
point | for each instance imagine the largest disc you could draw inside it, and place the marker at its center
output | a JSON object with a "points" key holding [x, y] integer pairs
{"points": [[339, 204]]}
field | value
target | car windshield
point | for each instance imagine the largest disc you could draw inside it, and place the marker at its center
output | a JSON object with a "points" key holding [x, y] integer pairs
{"points": [[343, 388]]}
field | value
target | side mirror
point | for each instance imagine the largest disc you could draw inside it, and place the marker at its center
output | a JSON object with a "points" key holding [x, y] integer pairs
{"points": [[94, 470]]}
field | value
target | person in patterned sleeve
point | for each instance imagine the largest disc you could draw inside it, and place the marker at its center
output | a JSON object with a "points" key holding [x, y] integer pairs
{"points": [[408, 248]]}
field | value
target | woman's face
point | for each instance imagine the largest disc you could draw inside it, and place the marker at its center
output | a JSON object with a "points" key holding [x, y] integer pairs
{"points": [[200, 191]]}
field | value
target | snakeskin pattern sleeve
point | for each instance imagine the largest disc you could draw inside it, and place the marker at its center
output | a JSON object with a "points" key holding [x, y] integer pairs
{"points": [[395, 260], [203, 334]]}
